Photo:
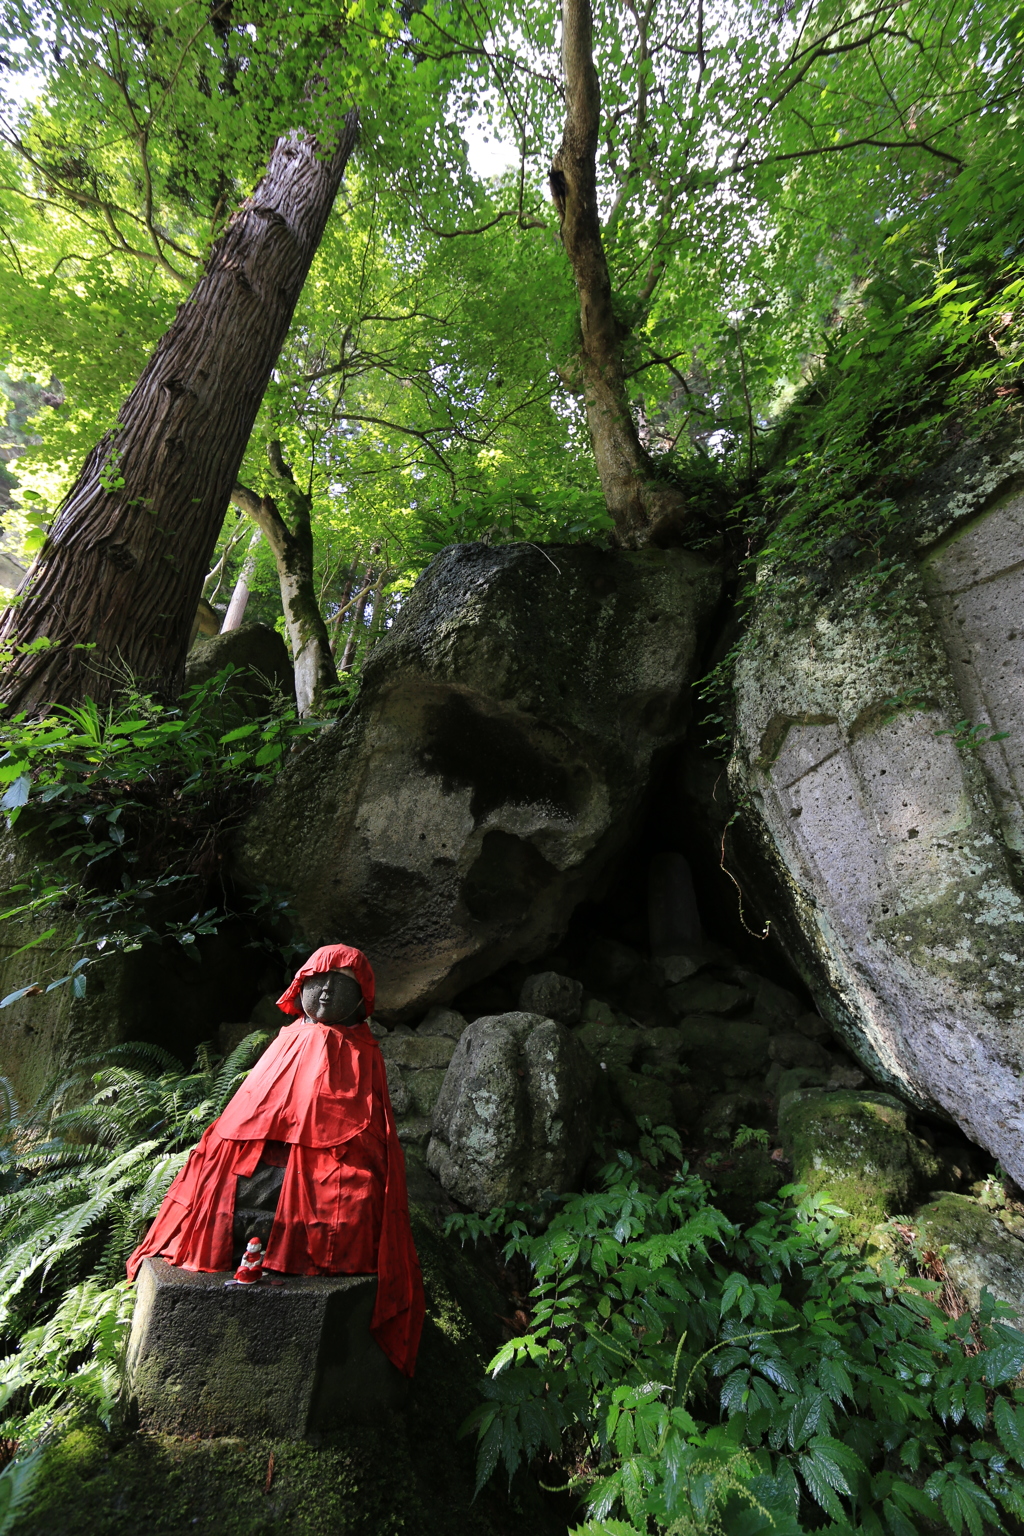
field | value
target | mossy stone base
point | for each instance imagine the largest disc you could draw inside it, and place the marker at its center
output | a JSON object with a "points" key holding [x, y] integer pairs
{"points": [[860, 1148], [402, 1472], [289, 1357]]}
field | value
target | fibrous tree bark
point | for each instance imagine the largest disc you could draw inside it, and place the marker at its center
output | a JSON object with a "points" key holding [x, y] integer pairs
{"points": [[293, 551], [115, 588], [645, 510]]}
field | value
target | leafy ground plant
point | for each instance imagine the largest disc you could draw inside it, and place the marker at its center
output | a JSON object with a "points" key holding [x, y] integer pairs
{"points": [[691, 1375], [126, 809]]}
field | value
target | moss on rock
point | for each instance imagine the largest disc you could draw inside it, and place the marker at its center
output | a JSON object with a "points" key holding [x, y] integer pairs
{"points": [[859, 1147], [975, 1248], [398, 1472]]}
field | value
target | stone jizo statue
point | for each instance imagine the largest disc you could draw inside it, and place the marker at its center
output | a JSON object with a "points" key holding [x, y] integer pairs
{"points": [[306, 1159]]}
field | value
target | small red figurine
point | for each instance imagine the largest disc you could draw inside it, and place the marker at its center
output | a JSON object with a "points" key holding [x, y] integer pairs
{"points": [[251, 1267], [309, 1140]]}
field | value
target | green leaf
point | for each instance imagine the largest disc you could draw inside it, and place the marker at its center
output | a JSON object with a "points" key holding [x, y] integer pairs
{"points": [[1009, 1423], [17, 795]]}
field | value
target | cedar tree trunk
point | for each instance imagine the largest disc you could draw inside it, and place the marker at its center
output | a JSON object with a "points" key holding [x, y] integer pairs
{"points": [[643, 509], [293, 551], [115, 588]]}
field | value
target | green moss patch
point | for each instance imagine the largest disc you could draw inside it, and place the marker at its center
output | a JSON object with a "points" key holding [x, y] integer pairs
{"points": [[859, 1147]]}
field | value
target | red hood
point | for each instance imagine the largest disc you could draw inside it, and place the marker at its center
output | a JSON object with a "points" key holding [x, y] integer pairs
{"points": [[331, 957]]}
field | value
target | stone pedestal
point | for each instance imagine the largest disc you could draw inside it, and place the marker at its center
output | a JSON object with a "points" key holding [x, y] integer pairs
{"points": [[291, 1358]]}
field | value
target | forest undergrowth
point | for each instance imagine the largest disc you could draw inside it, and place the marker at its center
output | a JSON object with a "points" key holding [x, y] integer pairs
{"points": [[675, 1371], [681, 1373], [926, 359]]}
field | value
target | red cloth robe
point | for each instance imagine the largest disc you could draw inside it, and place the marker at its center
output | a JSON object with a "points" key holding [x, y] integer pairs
{"points": [[343, 1208]]}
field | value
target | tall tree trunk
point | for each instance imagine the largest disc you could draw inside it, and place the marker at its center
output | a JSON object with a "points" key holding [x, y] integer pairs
{"points": [[356, 627], [293, 552], [643, 509], [343, 605], [240, 596], [115, 588]]}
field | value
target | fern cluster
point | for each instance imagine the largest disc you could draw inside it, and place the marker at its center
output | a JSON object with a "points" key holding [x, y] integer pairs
{"points": [[86, 1168], [704, 1377], [81, 1174]]}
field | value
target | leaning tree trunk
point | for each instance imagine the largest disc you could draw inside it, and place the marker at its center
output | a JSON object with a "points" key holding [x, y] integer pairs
{"points": [[293, 551], [115, 588], [643, 509]]}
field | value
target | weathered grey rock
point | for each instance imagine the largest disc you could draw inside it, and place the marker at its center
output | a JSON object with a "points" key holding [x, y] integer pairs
{"points": [[495, 761], [813, 1026], [703, 995], [661, 1047], [398, 1088], [773, 1005], [414, 1131], [725, 1046], [554, 996], [975, 1248], [443, 1021], [514, 1117], [794, 1050], [417, 1050], [642, 1096], [846, 1075], [259, 653], [597, 1012], [609, 1044], [288, 1359], [861, 1148], [783, 1081], [676, 968], [889, 855], [425, 1089], [725, 1112]]}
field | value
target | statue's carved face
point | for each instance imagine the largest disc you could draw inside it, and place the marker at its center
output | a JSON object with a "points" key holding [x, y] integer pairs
{"points": [[331, 997]]}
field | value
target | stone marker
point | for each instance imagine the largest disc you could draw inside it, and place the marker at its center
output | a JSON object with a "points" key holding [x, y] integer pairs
{"points": [[291, 1359], [515, 1114]]}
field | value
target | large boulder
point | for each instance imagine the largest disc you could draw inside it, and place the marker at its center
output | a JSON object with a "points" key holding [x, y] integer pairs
{"points": [[494, 763], [264, 669], [514, 1117], [882, 828]]}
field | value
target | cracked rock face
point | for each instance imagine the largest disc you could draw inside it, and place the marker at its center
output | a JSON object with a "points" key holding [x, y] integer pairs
{"points": [[885, 838], [514, 1117], [493, 764]]}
